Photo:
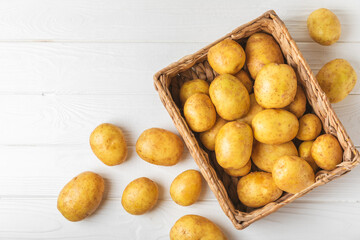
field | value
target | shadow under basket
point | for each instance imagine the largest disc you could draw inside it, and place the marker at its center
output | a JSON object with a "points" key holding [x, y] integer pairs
{"points": [[169, 80]]}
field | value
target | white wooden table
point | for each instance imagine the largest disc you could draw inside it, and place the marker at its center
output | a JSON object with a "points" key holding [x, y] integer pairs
{"points": [[68, 65]]}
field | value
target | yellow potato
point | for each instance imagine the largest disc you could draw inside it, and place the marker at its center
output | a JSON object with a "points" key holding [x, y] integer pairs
{"points": [[199, 112], [108, 143], [245, 79], [265, 155], [208, 137], [324, 27], [239, 172], [233, 145], [305, 153], [261, 49], [292, 174], [337, 78], [194, 227], [327, 152], [159, 146], [298, 106], [254, 109], [140, 196], [257, 189], [275, 86], [229, 96], [186, 187], [226, 56], [189, 88], [275, 126], [309, 127], [81, 196]]}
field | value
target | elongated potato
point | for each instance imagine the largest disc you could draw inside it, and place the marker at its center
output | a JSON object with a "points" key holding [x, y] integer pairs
{"points": [[298, 106], [255, 108], [189, 88], [305, 153], [208, 137], [245, 79], [327, 152], [309, 127], [186, 187], [240, 171]]}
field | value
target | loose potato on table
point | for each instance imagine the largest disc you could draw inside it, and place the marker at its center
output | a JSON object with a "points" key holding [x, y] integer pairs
{"points": [[254, 109], [327, 152], [245, 79], [240, 171], [208, 137], [298, 106], [186, 187], [189, 88], [309, 127], [305, 153]]}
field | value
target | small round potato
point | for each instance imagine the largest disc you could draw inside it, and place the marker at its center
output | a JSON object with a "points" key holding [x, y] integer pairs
{"points": [[159, 146], [81, 196], [108, 143], [239, 172], [254, 109], [298, 106], [309, 127], [194, 227], [257, 189], [292, 174], [186, 187], [199, 112], [327, 152], [230, 97], [189, 88], [226, 56], [324, 26], [208, 137], [305, 153], [140, 196], [245, 79]]}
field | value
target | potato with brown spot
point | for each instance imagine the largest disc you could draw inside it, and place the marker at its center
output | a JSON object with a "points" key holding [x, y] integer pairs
{"points": [[305, 153], [255, 108], [309, 127], [189, 88], [208, 137], [240, 171], [327, 152], [298, 106], [186, 187], [245, 79]]}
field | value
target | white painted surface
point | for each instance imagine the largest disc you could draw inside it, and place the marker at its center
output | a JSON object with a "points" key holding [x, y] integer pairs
{"points": [[67, 66]]}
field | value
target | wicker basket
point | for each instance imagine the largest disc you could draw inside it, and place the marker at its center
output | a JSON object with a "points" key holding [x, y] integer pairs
{"points": [[168, 81]]}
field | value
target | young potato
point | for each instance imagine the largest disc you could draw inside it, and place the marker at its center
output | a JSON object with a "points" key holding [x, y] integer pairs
{"points": [[108, 143], [261, 49], [324, 26], [327, 152], [208, 137], [81, 196], [257, 189], [140, 196], [337, 78], [292, 174], [186, 187], [265, 155], [275, 86], [194, 227], [309, 127], [254, 109], [275, 126], [159, 146], [199, 112], [226, 56], [305, 153], [230, 97], [298, 106], [245, 79], [189, 88], [239, 172], [233, 145]]}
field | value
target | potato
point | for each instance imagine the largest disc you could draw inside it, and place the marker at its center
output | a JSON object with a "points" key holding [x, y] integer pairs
{"points": [[186, 187], [257, 189], [245, 79], [226, 56], [309, 127], [239, 172], [229, 96], [233, 145], [324, 26], [140, 196], [275, 86], [199, 112], [108, 143], [189, 88], [159, 146], [337, 78], [292, 174], [81, 196], [265, 155], [305, 153], [275, 126], [327, 152], [261, 49], [194, 227], [298, 106], [254, 109], [208, 137]]}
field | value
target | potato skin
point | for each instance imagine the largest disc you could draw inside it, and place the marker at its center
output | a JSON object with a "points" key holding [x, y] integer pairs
{"points": [[229, 96], [208, 137], [245, 79], [194, 227], [305, 153], [275, 126], [309, 127], [160, 147], [226, 56], [233, 145], [261, 49], [255, 108], [327, 152], [186, 187], [81, 196], [189, 88], [240, 171], [140, 196], [108, 143], [292, 174], [298, 106], [257, 189]]}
